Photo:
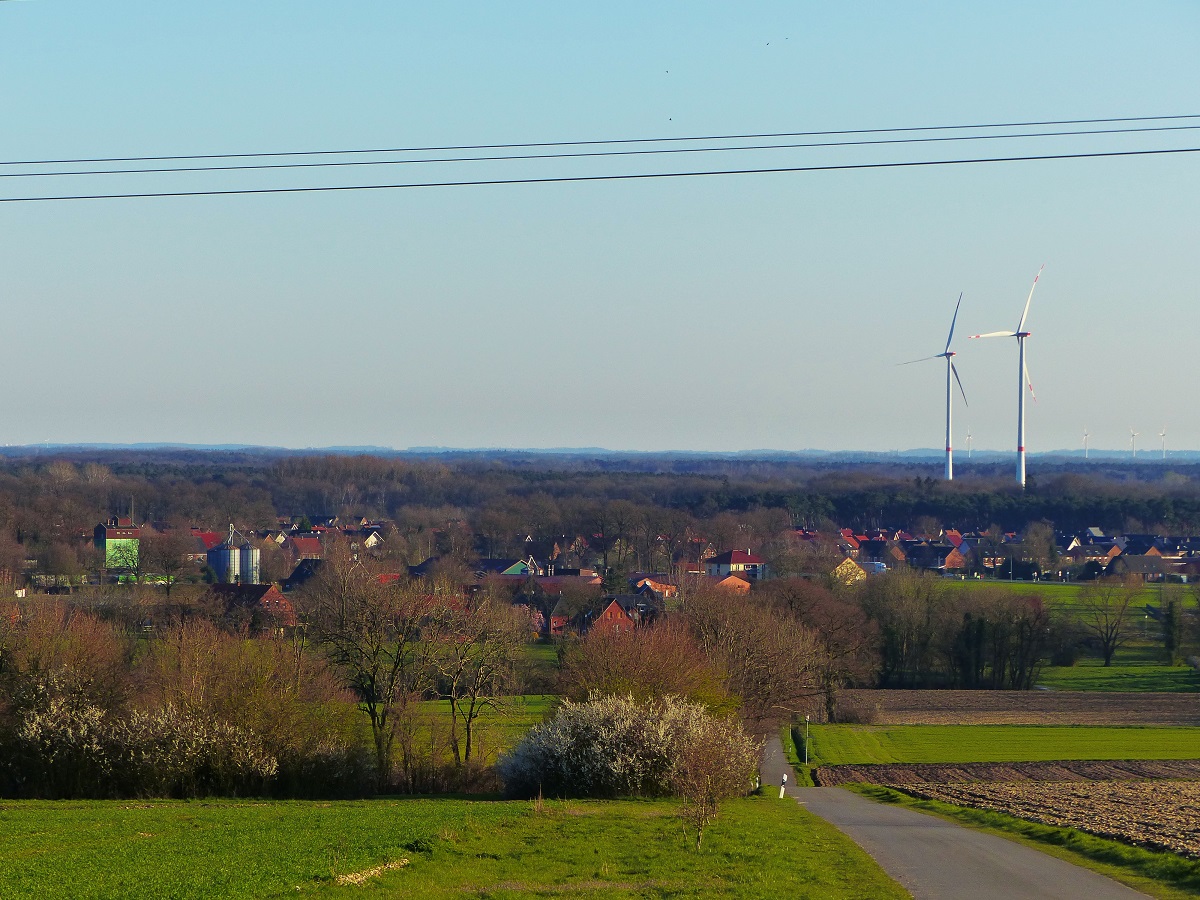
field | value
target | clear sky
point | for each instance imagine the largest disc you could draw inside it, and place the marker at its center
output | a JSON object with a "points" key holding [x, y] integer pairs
{"points": [[763, 311]]}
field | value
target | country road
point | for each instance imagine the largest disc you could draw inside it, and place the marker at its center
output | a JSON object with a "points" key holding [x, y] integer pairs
{"points": [[939, 860]]}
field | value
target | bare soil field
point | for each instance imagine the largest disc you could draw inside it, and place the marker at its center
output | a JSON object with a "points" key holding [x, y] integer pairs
{"points": [[1159, 815], [970, 775], [882, 707]]}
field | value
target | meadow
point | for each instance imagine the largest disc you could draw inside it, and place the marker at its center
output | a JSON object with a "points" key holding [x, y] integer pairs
{"points": [[1090, 675], [759, 847], [497, 729], [858, 744]]}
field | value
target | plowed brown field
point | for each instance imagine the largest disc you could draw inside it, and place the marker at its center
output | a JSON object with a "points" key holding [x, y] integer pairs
{"points": [[908, 774], [1026, 708], [1163, 815]]}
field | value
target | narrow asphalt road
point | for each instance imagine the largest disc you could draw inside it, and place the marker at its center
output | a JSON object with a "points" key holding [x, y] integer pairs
{"points": [[938, 860]]}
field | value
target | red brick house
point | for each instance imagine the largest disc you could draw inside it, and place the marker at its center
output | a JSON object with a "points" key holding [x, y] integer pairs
{"points": [[621, 614], [264, 605]]}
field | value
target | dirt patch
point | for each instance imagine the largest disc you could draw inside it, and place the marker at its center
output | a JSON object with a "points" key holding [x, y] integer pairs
{"points": [[1159, 815], [905, 775], [374, 872], [1027, 707]]}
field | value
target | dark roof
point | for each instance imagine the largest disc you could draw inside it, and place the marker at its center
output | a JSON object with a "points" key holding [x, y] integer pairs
{"points": [[1139, 565], [421, 570], [305, 569]]}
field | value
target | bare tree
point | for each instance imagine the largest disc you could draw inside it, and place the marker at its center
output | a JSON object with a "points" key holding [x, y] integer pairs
{"points": [[656, 661], [715, 761], [479, 646], [770, 659], [377, 637], [168, 553], [848, 640], [1106, 610]]}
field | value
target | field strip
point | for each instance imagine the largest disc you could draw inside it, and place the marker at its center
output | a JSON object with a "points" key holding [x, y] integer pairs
{"points": [[903, 775], [907, 707]]}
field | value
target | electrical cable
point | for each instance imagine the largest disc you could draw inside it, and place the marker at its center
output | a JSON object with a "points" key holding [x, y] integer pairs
{"points": [[597, 153], [596, 178], [621, 141]]}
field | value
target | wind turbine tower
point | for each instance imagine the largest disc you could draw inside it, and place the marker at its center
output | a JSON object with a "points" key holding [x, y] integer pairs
{"points": [[1022, 375], [1133, 436], [951, 376], [1085, 440], [1163, 434], [968, 442]]}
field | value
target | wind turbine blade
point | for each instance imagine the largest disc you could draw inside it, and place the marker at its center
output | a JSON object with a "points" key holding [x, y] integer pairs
{"points": [[1029, 384], [922, 359], [993, 334], [952, 323], [960, 387], [1029, 299]]}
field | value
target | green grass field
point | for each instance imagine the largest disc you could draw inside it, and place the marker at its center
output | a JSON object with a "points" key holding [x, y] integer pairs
{"points": [[496, 730], [1144, 647], [758, 848], [1062, 595], [857, 744], [1089, 675]]}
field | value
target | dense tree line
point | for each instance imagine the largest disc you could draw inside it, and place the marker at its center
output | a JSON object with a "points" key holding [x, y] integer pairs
{"points": [[39, 495]]}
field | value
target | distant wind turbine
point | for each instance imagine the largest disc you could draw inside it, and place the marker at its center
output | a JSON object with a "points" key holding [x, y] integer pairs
{"points": [[1133, 436], [1085, 443], [1022, 376], [951, 372], [968, 442], [1163, 434]]}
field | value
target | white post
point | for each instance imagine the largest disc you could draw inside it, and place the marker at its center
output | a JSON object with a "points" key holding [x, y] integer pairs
{"points": [[806, 740], [783, 786]]}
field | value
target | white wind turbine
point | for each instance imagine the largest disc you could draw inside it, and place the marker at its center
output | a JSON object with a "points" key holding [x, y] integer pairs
{"points": [[1085, 443], [1163, 434], [1133, 436], [951, 372], [1022, 376], [968, 442]]}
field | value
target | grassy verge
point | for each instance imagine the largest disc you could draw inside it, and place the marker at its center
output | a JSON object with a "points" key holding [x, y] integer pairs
{"points": [[859, 744], [792, 739], [758, 848], [1164, 875]]}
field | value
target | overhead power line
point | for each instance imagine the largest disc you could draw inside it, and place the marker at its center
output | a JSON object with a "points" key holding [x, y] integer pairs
{"points": [[610, 141], [592, 154], [586, 178]]}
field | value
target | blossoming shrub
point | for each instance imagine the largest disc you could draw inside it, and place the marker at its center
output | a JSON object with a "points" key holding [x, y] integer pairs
{"points": [[619, 746], [65, 746]]}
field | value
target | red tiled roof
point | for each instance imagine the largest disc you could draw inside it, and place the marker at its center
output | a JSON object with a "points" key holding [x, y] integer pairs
{"points": [[735, 557], [306, 546], [210, 538]]}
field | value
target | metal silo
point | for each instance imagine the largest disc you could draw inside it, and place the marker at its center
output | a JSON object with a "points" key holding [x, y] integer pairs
{"points": [[248, 556], [225, 562]]}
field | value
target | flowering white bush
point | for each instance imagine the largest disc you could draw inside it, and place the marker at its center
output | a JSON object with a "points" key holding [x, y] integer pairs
{"points": [[618, 746], [64, 746], [167, 752]]}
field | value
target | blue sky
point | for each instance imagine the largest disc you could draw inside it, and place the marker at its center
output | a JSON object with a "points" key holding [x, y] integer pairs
{"points": [[762, 311]]}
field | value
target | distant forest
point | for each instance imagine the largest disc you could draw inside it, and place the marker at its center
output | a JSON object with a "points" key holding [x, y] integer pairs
{"points": [[48, 498]]}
